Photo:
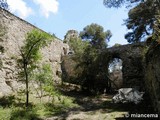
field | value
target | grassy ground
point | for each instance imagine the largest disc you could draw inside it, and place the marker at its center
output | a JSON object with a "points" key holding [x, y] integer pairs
{"points": [[69, 105], [98, 108], [13, 107]]}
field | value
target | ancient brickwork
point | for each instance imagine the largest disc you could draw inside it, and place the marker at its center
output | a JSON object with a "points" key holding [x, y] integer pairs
{"points": [[132, 56], [152, 76], [10, 42]]}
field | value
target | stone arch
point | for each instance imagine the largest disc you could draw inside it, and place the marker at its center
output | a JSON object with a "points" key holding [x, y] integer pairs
{"points": [[132, 57]]}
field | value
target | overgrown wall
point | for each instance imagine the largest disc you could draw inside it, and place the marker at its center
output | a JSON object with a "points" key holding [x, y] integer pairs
{"points": [[15, 30], [132, 63], [152, 76]]}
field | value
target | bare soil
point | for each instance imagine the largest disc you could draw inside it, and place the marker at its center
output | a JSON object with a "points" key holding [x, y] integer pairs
{"points": [[98, 107]]}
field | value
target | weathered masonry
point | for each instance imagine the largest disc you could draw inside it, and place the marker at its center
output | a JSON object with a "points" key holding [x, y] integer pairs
{"points": [[12, 35], [132, 56]]}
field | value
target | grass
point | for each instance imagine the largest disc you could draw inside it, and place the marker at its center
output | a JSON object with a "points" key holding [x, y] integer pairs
{"points": [[68, 104], [13, 109], [5, 113]]}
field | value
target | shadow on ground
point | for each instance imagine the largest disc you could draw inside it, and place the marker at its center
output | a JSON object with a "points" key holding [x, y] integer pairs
{"points": [[91, 104], [17, 110]]}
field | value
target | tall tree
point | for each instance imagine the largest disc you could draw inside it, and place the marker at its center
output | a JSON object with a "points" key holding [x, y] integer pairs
{"points": [[93, 62], [120, 3], [30, 54], [96, 35], [141, 21], [142, 17]]}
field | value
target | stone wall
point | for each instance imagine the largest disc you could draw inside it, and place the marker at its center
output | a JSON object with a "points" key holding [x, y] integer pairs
{"points": [[15, 30], [152, 76], [132, 56]]}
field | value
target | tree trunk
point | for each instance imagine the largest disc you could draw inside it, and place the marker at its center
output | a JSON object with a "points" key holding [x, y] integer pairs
{"points": [[26, 81]]}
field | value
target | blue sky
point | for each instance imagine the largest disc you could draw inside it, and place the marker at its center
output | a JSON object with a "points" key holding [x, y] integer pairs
{"points": [[59, 16]]}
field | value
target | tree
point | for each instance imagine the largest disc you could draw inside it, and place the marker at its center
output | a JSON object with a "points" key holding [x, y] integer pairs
{"points": [[96, 35], [141, 21], [93, 61], [30, 54], [75, 42], [93, 70], [142, 17], [120, 3], [44, 78], [4, 4]]}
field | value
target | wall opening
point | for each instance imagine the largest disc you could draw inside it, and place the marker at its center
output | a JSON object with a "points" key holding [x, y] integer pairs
{"points": [[115, 73]]}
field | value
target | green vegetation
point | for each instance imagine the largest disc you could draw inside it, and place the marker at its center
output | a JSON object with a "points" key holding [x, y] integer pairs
{"points": [[92, 63], [77, 45], [96, 36], [30, 55], [91, 69], [11, 109], [44, 79], [156, 33], [116, 45], [75, 42], [142, 17]]}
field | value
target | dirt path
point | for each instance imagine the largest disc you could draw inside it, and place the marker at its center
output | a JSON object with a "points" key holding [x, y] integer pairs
{"points": [[90, 109], [98, 108]]}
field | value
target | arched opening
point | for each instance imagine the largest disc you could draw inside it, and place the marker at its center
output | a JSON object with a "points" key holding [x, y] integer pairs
{"points": [[115, 73]]}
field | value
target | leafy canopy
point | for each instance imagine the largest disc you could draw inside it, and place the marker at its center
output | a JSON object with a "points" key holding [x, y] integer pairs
{"points": [[141, 17], [93, 62], [30, 54], [77, 45], [35, 40], [120, 3], [75, 42], [96, 35]]}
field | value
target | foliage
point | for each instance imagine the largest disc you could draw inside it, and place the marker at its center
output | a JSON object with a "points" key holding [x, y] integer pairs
{"points": [[75, 42], [116, 45], [11, 109], [120, 3], [4, 4], [30, 54], [92, 64], [141, 26], [77, 45], [94, 70], [44, 78], [96, 35], [5, 113], [142, 17], [156, 33], [19, 113]]}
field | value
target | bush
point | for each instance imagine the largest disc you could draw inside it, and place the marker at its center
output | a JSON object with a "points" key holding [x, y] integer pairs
{"points": [[23, 114]]}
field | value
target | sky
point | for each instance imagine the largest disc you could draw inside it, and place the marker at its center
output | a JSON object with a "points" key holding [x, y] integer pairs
{"points": [[59, 16]]}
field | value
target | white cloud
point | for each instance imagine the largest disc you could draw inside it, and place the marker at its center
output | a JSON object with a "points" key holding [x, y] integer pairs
{"points": [[47, 6], [19, 7]]}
